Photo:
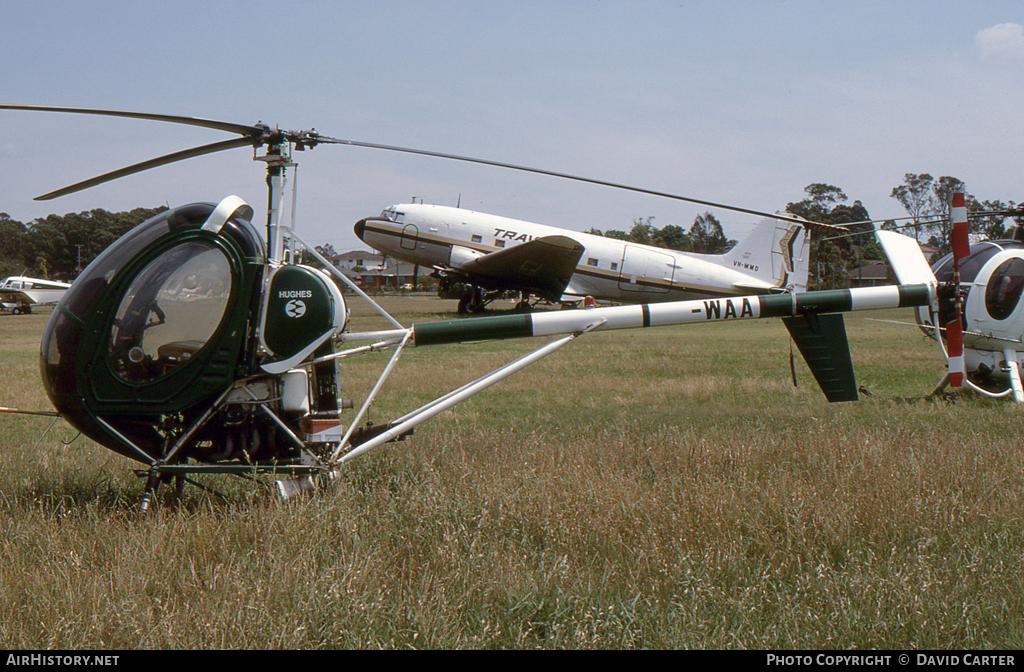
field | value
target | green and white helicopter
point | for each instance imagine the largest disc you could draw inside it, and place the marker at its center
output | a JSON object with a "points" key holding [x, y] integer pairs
{"points": [[195, 344]]}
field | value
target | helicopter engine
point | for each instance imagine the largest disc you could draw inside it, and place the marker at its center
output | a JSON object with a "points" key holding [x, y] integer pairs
{"points": [[181, 342]]}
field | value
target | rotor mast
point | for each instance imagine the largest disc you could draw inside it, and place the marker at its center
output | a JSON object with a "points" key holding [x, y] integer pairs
{"points": [[277, 159]]}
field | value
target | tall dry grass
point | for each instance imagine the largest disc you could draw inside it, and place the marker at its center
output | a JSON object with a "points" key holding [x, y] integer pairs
{"points": [[658, 488]]}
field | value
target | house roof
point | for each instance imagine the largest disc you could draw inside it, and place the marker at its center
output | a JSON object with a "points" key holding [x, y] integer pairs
{"points": [[403, 269], [358, 254], [874, 270]]}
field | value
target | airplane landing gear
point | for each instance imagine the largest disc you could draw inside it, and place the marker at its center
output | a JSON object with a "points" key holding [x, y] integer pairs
{"points": [[472, 301], [525, 305]]}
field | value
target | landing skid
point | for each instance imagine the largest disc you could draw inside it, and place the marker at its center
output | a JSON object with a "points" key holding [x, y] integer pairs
{"points": [[1013, 371], [299, 477]]}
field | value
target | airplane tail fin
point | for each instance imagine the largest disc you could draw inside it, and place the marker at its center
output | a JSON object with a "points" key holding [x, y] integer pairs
{"points": [[775, 252]]}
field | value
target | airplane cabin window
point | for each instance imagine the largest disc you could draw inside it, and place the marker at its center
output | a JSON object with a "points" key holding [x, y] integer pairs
{"points": [[1004, 289], [591, 262], [499, 243], [170, 311]]}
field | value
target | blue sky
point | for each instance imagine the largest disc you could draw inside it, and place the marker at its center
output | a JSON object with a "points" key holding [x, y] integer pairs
{"points": [[737, 102]]}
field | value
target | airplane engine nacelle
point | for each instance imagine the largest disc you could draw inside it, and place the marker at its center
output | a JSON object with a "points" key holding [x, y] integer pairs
{"points": [[461, 256]]}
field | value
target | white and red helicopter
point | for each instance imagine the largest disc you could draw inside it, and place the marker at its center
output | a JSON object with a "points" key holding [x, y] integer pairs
{"points": [[975, 314]]}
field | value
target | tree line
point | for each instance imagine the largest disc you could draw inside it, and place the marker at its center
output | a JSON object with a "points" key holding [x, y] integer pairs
{"points": [[705, 235], [926, 200], [57, 247]]}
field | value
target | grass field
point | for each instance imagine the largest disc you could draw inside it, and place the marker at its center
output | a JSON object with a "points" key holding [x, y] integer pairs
{"points": [[654, 488]]}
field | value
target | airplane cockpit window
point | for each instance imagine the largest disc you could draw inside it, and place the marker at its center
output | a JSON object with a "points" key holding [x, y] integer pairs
{"points": [[170, 311], [392, 215], [1005, 288]]}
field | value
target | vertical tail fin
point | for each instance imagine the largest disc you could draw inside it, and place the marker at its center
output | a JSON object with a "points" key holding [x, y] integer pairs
{"points": [[823, 344], [776, 252]]}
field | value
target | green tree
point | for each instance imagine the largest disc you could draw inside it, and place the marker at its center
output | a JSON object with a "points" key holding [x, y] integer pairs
{"points": [[11, 233], [821, 200], [988, 219], [610, 233], [65, 241], [673, 237], [917, 197], [707, 236], [643, 231], [833, 255]]}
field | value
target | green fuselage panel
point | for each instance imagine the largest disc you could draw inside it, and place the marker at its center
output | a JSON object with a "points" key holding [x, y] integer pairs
{"points": [[299, 310]]}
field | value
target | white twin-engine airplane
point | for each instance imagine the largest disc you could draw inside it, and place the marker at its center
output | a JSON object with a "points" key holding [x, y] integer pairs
{"points": [[496, 254], [19, 293]]}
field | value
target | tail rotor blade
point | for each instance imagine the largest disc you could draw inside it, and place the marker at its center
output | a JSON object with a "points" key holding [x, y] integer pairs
{"points": [[955, 351], [959, 240], [961, 245]]}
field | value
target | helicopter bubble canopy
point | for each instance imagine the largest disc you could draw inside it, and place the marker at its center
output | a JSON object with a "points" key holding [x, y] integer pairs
{"points": [[992, 285], [170, 311], [160, 323]]}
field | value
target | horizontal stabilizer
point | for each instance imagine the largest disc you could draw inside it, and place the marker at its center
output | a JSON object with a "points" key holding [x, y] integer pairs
{"points": [[822, 342], [906, 258]]}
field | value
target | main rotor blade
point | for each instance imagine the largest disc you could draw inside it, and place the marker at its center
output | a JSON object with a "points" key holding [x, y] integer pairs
{"points": [[146, 165], [257, 135], [577, 178], [241, 129]]}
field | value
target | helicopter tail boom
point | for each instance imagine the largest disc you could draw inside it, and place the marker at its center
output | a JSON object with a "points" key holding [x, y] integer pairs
{"points": [[662, 314]]}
